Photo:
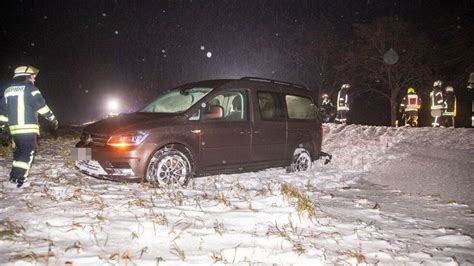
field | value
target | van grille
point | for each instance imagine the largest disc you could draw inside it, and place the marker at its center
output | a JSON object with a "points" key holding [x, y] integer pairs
{"points": [[94, 139]]}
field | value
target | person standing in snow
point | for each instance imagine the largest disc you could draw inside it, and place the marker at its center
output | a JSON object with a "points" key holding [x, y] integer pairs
{"points": [[409, 107], [22, 102], [437, 102], [327, 109], [449, 108], [342, 104]]}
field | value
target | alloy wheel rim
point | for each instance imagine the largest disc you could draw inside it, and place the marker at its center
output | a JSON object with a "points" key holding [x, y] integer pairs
{"points": [[303, 162], [169, 170]]}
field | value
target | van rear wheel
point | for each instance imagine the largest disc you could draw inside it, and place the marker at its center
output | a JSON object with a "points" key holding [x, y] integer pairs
{"points": [[301, 160], [169, 166]]}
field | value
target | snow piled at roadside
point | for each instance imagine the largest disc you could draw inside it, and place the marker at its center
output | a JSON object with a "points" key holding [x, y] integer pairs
{"points": [[326, 215]]}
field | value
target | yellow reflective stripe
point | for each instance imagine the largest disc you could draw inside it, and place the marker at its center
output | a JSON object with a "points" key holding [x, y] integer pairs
{"points": [[3, 118], [24, 131], [27, 126], [21, 109], [35, 92], [20, 164], [43, 110]]}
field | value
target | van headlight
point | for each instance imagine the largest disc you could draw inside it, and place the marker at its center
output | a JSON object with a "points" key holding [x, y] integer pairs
{"points": [[126, 140]]}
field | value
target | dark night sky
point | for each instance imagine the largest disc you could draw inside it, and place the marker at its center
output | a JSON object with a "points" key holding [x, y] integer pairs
{"points": [[109, 48]]}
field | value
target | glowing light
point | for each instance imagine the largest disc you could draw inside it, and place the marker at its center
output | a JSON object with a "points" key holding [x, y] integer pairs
{"points": [[113, 105], [209, 54]]}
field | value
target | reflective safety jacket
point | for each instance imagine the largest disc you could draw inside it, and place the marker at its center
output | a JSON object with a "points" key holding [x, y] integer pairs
{"points": [[20, 106], [326, 104], [449, 108], [436, 96], [411, 102], [342, 100]]}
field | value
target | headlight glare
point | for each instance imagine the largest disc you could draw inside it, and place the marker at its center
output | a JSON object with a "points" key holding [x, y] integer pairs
{"points": [[126, 140]]}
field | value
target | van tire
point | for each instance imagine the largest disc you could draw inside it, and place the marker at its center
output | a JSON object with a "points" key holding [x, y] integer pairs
{"points": [[167, 167], [301, 160]]}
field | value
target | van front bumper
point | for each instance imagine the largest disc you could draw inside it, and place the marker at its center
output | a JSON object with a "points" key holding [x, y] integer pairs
{"points": [[127, 165], [95, 169]]}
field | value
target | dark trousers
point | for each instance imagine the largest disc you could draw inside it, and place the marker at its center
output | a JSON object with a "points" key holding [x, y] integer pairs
{"points": [[447, 121], [23, 155], [411, 118], [341, 116]]}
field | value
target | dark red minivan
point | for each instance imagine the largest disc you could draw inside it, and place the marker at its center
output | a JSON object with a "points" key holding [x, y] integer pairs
{"points": [[206, 127]]}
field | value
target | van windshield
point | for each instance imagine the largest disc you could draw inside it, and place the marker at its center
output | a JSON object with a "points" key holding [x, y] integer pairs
{"points": [[176, 101]]}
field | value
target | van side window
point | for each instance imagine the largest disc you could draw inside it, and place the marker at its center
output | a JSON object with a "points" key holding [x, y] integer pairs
{"points": [[299, 107], [228, 106], [270, 106]]}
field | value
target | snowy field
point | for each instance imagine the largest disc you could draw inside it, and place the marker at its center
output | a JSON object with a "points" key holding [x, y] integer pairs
{"points": [[390, 196]]}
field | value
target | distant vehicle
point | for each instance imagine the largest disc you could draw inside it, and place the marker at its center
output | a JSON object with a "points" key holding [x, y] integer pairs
{"points": [[207, 127]]}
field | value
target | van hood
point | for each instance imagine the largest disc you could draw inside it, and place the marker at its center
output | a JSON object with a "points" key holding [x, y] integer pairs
{"points": [[131, 122]]}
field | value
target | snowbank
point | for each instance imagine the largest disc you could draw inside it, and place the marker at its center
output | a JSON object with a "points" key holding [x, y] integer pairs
{"points": [[330, 214]]}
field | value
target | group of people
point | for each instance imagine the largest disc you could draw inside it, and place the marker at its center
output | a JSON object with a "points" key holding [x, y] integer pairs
{"points": [[337, 114], [443, 106]]}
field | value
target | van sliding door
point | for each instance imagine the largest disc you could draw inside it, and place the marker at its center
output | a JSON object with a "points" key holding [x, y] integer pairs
{"points": [[269, 128]]}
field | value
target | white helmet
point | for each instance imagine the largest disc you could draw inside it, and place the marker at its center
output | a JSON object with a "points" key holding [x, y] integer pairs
{"points": [[450, 88], [25, 71], [438, 83], [346, 86]]}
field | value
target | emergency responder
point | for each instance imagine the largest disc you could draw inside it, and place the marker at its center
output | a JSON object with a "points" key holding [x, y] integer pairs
{"points": [[327, 109], [20, 108], [409, 107], [437, 101], [449, 108], [342, 104]]}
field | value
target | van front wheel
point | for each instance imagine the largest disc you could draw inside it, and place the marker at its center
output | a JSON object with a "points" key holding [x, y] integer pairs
{"points": [[168, 166], [301, 160]]}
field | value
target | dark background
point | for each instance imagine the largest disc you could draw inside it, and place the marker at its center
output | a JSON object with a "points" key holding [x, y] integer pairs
{"points": [[88, 51]]}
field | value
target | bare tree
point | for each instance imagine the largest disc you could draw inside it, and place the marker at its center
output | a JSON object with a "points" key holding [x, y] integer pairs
{"points": [[388, 56]]}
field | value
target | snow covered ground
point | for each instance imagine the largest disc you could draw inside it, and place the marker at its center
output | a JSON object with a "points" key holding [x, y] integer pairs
{"points": [[389, 196]]}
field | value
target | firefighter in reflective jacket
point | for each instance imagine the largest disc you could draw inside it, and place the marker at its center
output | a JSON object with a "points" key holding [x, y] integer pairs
{"points": [[327, 109], [409, 106], [19, 109], [437, 102], [449, 107], [342, 104]]}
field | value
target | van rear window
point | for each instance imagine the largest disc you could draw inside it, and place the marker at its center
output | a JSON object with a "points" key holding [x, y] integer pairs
{"points": [[299, 107]]}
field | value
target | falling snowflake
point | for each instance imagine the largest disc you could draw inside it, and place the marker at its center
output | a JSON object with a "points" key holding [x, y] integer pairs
{"points": [[116, 32], [86, 91], [164, 55], [202, 48], [209, 54], [163, 51], [104, 14], [32, 44], [45, 17]]}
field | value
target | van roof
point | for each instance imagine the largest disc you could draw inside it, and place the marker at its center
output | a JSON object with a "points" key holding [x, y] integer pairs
{"points": [[220, 82], [275, 82]]}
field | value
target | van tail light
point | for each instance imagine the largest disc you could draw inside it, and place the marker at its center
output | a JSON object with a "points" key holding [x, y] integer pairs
{"points": [[126, 140]]}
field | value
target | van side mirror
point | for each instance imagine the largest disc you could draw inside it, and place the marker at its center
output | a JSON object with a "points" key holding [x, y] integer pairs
{"points": [[214, 111]]}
